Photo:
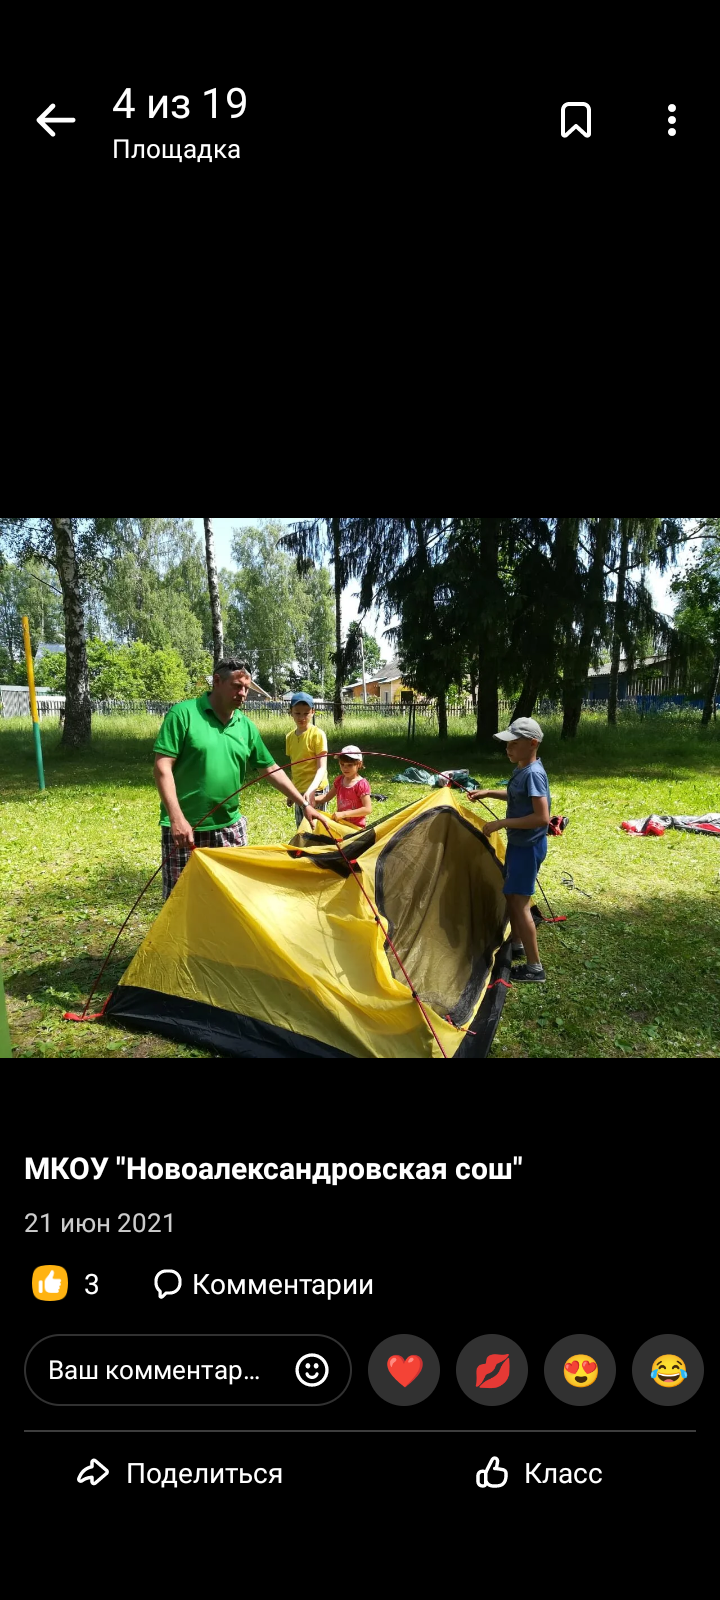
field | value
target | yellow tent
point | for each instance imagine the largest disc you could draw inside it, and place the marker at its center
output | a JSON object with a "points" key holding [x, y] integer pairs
{"points": [[277, 951]]}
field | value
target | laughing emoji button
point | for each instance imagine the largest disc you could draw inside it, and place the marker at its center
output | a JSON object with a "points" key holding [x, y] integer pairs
{"points": [[668, 1372], [580, 1371]]}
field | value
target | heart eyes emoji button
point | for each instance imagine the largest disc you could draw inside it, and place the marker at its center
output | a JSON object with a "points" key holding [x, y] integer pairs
{"points": [[580, 1371]]}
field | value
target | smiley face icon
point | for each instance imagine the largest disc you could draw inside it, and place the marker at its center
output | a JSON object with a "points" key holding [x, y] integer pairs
{"points": [[668, 1372], [311, 1370], [580, 1371]]}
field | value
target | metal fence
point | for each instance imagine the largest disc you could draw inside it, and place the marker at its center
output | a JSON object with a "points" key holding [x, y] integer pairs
{"points": [[376, 708], [15, 701], [130, 708], [643, 704]]}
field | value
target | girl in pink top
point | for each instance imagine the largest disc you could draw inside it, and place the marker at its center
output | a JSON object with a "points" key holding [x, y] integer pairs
{"points": [[352, 792]]}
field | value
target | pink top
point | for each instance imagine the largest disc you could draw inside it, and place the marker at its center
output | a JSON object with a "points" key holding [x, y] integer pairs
{"points": [[348, 799]]}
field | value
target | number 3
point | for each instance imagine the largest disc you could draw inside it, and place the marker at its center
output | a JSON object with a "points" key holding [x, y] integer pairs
{"points": [[91, 1277]]}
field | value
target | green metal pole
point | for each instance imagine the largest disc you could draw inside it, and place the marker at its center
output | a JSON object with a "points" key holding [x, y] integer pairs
{"points": [[33, 702], [38, 755], [5, 1051]]}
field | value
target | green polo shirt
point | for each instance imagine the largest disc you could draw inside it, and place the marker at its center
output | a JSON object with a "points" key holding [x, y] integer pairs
{"points": [[212, 758]]}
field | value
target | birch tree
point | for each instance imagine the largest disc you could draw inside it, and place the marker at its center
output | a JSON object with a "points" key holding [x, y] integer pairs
{"points": [[79, 549], [217, 624]]}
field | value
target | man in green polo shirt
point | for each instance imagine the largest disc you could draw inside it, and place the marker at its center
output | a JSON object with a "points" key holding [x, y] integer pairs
{"points": [[202, 753]]}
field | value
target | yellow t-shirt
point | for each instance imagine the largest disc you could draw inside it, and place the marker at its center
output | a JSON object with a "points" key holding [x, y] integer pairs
{"points": [[311, 743]]}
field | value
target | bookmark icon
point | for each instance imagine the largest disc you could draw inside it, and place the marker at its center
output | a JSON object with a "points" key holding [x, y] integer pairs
{"points": [[576, 127]]}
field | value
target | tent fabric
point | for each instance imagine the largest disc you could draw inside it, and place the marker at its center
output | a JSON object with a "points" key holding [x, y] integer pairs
{"points": [[438, 780], [709, 822], [275, 951]]}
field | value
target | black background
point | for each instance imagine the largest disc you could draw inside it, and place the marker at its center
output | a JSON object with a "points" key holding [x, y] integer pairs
{"points": [[402, 189], [595, 1231], [323, 146]]}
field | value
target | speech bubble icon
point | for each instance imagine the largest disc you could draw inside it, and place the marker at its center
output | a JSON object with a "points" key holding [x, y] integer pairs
{"points": [[167, 1272]]}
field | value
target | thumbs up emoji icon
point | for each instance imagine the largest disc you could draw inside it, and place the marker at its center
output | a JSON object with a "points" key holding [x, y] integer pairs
{"points": [[50, 1283], [493, 1476]]}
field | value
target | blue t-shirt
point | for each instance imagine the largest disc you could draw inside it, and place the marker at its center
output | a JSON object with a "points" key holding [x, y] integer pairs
{"points": [[524, 783]]}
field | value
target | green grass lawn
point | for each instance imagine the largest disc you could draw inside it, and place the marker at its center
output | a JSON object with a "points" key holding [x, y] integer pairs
{"points": [[634, 972]]}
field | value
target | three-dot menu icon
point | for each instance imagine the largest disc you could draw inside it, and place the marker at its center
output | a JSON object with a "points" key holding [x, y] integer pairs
{"points": [[672, 130]]}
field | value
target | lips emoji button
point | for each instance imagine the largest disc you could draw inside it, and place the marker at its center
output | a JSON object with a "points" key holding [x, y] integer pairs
{"points": [[493, 1372], [572, 1366], [589, 1366], [405, 1370]]}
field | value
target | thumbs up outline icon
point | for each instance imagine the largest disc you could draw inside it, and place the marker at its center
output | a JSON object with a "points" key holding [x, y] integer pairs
{"points": [[493, 1476], [50, 1283]]}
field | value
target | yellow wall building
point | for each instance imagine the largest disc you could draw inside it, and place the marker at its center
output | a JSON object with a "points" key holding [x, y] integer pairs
{"points": [[386, 685]]}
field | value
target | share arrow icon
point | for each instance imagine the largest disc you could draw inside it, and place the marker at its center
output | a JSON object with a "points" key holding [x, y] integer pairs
{"points": [[86, 1476], [45, 119]]}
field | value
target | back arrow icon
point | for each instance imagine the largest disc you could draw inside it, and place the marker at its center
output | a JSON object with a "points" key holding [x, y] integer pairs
{"points": [[86, 1476], [45, 118]]}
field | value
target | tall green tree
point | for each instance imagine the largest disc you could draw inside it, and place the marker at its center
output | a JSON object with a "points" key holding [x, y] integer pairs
{"points": [[311, 542], [360, 645], [639, 542], [431, 637], [213, 590], [538, 578], [268, 610], [80, 550], [477, 559], [585, 619], [697, 619], [156, 591], [314, 641], [32, 591]]}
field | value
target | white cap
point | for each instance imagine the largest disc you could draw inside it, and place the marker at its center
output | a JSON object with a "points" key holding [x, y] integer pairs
{"points": [[351, 750], [521, 728]]}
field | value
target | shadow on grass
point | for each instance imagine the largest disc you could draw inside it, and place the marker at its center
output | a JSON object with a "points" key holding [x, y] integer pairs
{"points": [[111, 889], [112, 884], [67, 982], [73, 976]]}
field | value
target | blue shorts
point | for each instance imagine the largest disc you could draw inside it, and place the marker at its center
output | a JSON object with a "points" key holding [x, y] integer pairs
{"points": [[522, 865]]}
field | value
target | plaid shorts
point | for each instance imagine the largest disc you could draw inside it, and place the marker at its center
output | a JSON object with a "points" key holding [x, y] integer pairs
{"points": [[322, 794], [176, 856]]}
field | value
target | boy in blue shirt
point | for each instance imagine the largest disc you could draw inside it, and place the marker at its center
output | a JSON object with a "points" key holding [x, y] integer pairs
{"points": [[528, 815]]}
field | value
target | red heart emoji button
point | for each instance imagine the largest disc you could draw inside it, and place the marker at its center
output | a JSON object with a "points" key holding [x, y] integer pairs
{"points": [[589, 1366], [405, 1371], [572, 1366]]}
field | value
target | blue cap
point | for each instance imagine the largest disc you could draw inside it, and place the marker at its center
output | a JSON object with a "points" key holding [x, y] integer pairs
{"points": [[297, 699]]}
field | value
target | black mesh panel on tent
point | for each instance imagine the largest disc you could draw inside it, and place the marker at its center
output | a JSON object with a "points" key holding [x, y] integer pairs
{"points": [[440, 886]]}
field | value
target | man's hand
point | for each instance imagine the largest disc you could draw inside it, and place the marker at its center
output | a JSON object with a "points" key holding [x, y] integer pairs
{"points": [[477, 794], [313, 815], [491, 827], [182, 831]]}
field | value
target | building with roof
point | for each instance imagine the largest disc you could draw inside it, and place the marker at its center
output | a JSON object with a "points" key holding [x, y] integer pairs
{"points": [[651, 675], [385, 685]]}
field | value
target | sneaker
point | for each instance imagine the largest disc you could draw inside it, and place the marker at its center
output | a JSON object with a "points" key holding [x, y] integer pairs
{"points": [[522, 975]]}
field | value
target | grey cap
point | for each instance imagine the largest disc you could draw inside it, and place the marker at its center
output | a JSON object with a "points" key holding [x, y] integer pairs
{"points": [[521, 728]]}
